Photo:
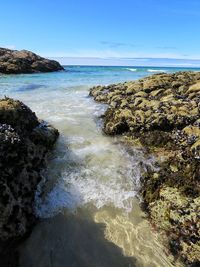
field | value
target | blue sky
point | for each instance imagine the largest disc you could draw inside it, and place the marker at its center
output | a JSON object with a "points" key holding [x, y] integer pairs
{"points": [[105, 29]]}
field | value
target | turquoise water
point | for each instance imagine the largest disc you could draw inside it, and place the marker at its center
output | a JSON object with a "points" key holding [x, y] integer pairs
{"points": [[77, 76], [88, 200]]}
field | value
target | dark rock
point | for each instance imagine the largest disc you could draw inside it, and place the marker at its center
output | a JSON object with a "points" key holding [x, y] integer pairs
{"points": [[195, 264], [16, 62], [24, 146]]}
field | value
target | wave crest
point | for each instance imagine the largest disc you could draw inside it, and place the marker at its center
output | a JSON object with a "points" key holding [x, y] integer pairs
{"points": [[130, 69], [153, 70]]}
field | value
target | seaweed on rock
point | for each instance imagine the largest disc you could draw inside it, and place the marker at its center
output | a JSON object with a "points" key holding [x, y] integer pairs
{"points": [[162, 114]]}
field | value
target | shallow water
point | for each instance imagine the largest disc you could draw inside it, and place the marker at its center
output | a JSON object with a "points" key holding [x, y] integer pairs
{"points": [[87, 201]]}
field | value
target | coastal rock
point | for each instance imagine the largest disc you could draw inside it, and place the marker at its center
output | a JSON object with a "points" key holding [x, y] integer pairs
{"points": [[162, 114], [161, 101], [24, 146], [16, 62]]}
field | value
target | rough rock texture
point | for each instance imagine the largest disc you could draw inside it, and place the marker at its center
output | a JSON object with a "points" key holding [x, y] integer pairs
{"points": [[24, 143], [15, 62], [162, 114]]}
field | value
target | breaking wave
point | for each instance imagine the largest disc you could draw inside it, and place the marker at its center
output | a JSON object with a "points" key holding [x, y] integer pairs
{"points": [[130, 69], [154, 70], [101, 173]]}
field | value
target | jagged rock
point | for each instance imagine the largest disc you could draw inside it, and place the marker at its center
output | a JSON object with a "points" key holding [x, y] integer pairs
{"points": [[15, 62], [24, 145], [162, 114], [157, 102]]}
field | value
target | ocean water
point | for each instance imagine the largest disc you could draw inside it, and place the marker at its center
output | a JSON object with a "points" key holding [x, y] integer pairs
{"points": [[88, 199], [77, 76]]}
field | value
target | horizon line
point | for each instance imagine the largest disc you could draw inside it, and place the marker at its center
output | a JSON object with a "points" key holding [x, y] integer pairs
{"points": [[134, 66], [126, 58], [122, 61]]}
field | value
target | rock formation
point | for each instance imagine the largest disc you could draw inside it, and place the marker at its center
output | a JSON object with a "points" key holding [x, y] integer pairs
{"points": [[16, 62], [161, 113], [24, 145]]}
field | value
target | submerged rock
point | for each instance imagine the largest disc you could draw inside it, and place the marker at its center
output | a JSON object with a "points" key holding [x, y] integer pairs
{"points": [[24, 145], [15, 62], [162, 114]]}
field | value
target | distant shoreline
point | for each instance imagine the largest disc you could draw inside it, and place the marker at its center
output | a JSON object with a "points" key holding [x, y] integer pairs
{"points": [[129, 66]]}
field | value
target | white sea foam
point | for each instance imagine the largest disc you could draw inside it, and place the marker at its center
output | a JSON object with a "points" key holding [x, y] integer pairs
{"points": [[130, 69], [102, 174], [154, 70]]}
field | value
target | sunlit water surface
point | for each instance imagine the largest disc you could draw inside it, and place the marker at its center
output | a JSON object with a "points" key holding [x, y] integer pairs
{"points": [[87, 200]]}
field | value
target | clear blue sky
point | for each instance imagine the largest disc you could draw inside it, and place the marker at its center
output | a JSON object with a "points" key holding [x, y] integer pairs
{"points": [[103, 28]]}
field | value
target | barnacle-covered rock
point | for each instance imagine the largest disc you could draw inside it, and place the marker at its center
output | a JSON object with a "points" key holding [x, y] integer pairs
{"points": [[162, 113]]}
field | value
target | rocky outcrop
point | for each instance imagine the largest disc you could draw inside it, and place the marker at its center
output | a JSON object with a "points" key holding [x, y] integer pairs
{"points": [[15, 62], [24, 145], [161, 113]]}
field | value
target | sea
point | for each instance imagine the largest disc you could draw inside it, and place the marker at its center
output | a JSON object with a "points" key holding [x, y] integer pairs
{"points": [[88, 201]]}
